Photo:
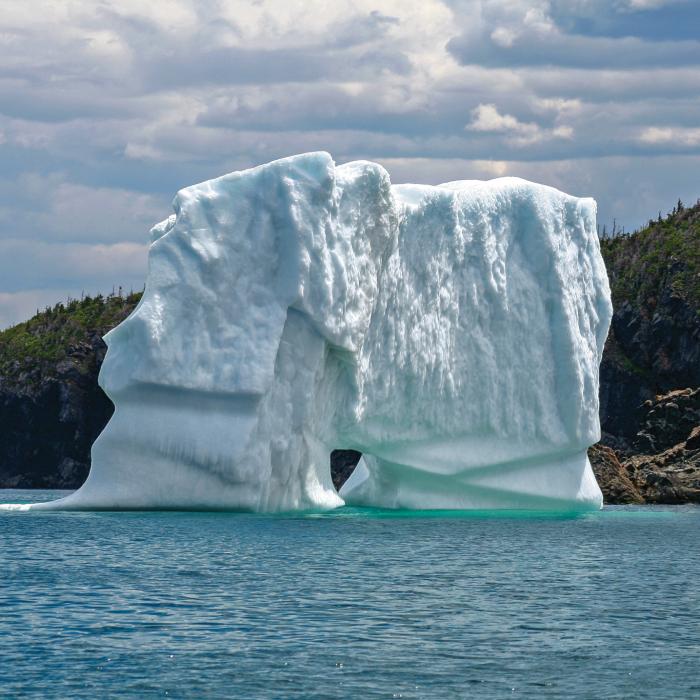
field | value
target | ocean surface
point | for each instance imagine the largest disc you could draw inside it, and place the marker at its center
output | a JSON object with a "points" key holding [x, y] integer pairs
{"points": [[350, 604]]}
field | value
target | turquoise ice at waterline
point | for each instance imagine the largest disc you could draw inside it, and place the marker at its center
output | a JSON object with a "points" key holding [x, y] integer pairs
{"points": [[349, 604]]}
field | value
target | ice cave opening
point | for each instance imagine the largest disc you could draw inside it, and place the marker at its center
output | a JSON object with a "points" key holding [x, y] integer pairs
{"points": [[343, 463]]}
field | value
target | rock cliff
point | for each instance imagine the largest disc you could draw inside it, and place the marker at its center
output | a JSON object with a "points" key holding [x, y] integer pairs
{"points": [[51, 407], [650, 373], [663, 463], [654, 342]]}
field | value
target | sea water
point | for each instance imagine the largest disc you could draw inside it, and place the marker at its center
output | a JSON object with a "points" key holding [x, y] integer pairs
{"points": [[350, 604]]}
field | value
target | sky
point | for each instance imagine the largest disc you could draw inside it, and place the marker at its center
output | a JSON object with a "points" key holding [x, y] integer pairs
{"points": [[108, 107]]}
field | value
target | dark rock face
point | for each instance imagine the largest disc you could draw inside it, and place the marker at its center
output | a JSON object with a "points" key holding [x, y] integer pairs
{"points": [[668, 420], [623, 391], [51, 407], [50, 422], [645, 356], [662, 338], [662, 465], [650, 350], [665, 465], [343, 463], [652, 353]]}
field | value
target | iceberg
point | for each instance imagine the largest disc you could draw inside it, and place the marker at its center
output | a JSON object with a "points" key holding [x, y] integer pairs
{"points": [[451, 333]]}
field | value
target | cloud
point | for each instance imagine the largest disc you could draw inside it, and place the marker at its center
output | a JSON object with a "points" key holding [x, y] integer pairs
{"points": [[676, 136], [647, 4], [487, 118], [565, 34], [107, 109], [545, 47]]}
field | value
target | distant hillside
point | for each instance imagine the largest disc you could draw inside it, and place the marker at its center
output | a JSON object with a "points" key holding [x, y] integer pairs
{"points": [[662, 256], [654, 343], [35, 348], [51, 408]]}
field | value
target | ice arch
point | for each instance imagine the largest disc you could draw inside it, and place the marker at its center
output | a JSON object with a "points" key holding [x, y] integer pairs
{"points": [[452, 334]]}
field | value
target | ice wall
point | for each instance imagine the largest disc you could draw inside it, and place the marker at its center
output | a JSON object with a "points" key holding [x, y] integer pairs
{"points": [[452, 334]]}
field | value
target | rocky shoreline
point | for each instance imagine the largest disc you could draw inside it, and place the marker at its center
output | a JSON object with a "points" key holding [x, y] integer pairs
{"points": [[663, 465]]}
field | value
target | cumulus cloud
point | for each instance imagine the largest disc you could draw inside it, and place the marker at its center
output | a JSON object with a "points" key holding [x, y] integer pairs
{"points": [[487, 118], [106, 109], [591, 34], [647, 4], [670, 135]]}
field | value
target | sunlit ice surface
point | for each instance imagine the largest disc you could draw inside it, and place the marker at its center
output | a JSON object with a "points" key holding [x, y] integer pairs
{"points": [[452, 334]]}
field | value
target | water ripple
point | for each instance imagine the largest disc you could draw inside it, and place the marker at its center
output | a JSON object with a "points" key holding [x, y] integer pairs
{"points": [[351, 604]]}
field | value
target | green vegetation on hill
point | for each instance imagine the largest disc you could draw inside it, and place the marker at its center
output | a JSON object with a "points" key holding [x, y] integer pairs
{"points": [[652, 347], [664, 256], [53, 334]]}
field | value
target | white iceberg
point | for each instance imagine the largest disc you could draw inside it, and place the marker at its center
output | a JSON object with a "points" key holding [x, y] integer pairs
{"points": [[452, 334]]}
